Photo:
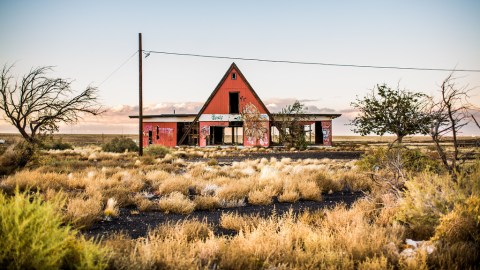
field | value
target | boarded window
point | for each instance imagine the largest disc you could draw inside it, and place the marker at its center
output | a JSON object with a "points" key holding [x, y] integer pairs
{"points": [[234, 102]]}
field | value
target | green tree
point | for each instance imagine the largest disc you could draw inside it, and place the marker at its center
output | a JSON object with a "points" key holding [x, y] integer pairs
{"points": [[291, 125], [389, 111]]}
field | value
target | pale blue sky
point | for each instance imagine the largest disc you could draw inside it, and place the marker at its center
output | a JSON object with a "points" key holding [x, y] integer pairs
{"points": [[87, 40]]}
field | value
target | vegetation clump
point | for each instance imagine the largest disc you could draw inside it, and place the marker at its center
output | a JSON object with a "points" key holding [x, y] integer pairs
{"points": [[17, 157], [120, 145], [411, 160], [33, 236], [53, 144], [157, 151]]}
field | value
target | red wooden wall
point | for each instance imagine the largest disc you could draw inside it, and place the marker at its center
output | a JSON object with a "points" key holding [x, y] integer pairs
{"points": [[167, 133], [219, 103]]}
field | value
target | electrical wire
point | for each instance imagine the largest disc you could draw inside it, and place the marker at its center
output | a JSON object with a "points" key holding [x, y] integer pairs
{"points": [[118, 68], [311, 63]]}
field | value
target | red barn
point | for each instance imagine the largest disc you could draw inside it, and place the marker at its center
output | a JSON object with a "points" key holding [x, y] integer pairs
{"points": [[232, 115]]}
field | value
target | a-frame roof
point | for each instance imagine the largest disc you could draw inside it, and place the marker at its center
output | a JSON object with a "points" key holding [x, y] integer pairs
{"points": [[224, 78], [233, 66]]}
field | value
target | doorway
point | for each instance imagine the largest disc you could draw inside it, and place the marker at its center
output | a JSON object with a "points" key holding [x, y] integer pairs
{"points": [[318, 132], [216, 135], [233, 98], [150, 135]]}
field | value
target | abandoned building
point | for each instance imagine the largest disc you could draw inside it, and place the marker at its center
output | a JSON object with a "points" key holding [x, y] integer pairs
{"points": [[232, 115]]}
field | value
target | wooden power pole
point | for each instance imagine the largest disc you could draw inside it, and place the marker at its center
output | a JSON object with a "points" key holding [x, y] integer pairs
{"points": [[140, 98]]}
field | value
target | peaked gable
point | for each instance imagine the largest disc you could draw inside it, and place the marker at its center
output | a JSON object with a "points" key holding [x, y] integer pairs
{"points": [[218, 102]]}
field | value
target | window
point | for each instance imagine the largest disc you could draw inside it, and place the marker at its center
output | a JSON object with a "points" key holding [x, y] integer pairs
{"points": [[234, 76], [158, 132], [234, 102]]}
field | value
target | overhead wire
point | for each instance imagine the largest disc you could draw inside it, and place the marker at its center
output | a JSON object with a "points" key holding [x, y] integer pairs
{"points": [[148, 52], [118, 68]]}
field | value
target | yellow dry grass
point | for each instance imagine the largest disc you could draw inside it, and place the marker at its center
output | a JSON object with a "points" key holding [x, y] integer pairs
{"points": [[102, 176], [176, 202], [338, 239]]}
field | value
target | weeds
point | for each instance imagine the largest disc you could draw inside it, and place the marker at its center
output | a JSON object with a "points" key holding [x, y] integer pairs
{"points": [[176, 202], [157, 151], [369, 235], [120, 145], [32, 237]]}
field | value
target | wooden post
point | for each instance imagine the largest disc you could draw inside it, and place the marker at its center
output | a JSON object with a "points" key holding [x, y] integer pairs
{"points": [[140, 98]]}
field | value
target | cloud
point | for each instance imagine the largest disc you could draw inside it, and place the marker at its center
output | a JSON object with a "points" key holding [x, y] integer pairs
{"points": [[275, 105], [116, 121]]}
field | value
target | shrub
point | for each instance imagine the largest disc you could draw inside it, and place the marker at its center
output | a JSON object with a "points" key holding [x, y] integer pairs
{"points": [[429, 199], [461, 224], [52, 144], [458, 236], [412, 160], [32, 236], [83, 212], [16, 157], [120, 145], [212, 162], [260, 197], [309, 190], [157, 151], [422, 204], [289, 195], [144, 204], [326, 183], [176, 202], [174, 184], [234, 221], [206, 202]]}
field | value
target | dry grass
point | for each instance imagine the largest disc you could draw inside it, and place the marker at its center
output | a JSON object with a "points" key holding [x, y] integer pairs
{"points": [[176, 202], [143, 204], [366, 236], [289, 195], [309, 191], [236, 222], [83, 212], [111, 210], [340, 239], [206, 202], [260, 197], [111, 175], [174, 184]]}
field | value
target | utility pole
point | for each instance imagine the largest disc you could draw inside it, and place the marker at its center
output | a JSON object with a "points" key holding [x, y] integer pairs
{"points": [[140, 98]]}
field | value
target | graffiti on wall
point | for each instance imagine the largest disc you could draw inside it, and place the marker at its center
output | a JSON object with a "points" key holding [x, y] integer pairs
{"points": [[166, 131], [326, 132], [205, 132], [254, 128]]}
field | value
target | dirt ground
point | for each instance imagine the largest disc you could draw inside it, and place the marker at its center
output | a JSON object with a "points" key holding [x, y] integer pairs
{"points": [[293, 155], [137, 224]]}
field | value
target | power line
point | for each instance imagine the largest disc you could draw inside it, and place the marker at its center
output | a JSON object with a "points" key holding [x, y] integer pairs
{"points": [[118, 68], [311, 63]]}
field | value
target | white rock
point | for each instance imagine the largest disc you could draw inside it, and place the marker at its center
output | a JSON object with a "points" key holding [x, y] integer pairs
{"points": [[412, 243]]}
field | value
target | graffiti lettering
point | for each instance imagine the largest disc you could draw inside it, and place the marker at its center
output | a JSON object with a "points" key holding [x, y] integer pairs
{"points": [[217, 117]]}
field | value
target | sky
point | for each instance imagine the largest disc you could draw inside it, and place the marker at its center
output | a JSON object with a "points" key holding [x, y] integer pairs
{"points": [[87, 41]]}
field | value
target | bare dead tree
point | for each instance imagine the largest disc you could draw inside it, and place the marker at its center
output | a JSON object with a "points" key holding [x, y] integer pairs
{"points": [[448, 116], [38, 104]]}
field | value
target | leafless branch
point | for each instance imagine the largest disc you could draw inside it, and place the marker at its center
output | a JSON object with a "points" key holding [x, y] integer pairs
{"points": [[38, 104]]}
